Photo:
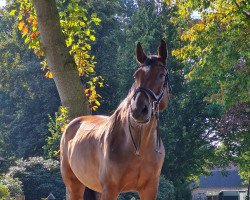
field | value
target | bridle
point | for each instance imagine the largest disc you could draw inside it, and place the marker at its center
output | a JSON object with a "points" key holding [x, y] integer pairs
{"points": [[154, 102]]}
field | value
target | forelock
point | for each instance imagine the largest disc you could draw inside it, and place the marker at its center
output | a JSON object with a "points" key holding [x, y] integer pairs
{"points": [[151, 60]]}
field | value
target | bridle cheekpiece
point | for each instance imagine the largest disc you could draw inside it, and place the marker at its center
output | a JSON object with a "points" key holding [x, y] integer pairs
{"points": [[154, 102]]}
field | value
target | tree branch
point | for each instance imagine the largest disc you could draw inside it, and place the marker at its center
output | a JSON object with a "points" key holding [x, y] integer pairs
{"points": [[246, 13]]}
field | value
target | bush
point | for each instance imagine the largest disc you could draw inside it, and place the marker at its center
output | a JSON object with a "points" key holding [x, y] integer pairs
{"points": [[13, 185], [183, 192], [55, 126], [165, 191], [3, 192], [128, 196], [39, 178]]}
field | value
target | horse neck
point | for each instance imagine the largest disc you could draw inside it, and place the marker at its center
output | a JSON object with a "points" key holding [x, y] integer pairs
{"points": [[144, 132], [120, 130]]}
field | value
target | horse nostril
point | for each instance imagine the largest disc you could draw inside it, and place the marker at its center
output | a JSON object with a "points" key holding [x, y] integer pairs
{"points": [[145, 110]]}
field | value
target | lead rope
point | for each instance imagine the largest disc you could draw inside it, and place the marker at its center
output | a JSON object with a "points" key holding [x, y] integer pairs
{"points": [[158, 137], [137, 147]]}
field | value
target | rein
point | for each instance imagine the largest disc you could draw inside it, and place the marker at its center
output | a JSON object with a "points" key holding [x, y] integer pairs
{"points": [[155, 112]]}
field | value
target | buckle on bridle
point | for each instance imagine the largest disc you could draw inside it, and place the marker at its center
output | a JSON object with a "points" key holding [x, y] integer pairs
{"points": [[155, 108]]}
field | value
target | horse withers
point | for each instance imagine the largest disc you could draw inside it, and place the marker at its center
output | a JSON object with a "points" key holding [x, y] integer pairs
{"points": [[122, 152]]}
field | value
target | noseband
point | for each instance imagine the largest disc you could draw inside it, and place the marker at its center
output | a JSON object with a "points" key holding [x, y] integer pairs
{"points": [[154, 101]]}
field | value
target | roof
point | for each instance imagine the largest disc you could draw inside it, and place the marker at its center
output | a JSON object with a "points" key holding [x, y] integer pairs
{"points": [[51, 197], [218, 180]]}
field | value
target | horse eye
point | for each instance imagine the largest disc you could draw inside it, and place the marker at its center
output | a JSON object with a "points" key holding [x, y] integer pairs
{"points": [[162, 76]]}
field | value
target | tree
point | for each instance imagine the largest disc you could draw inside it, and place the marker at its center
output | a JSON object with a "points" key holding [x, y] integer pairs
{"points": [[24, 111], [215, 50], [215, 47], [148, 31], [64, 39], [59, 60], [234, 136], [61, 63], [189, 127], [109, 39]]}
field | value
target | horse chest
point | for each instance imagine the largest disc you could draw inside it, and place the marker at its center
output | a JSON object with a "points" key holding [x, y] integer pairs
{"points": [[135, 171], [141, 171]]}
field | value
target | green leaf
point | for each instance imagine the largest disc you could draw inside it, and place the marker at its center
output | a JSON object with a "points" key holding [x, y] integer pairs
{"points": [[90, 70], [92, 37], [20, 17], [12, 12], [69, 41], [96, 20], [87, 32], [97, 103], [27, 39]]}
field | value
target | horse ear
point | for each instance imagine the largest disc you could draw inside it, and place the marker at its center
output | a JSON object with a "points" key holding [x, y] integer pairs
{"points": [[140, 55], [162, 51]]}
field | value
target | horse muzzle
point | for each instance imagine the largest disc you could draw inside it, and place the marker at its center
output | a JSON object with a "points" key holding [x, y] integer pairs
{"points": [[141, 108]]}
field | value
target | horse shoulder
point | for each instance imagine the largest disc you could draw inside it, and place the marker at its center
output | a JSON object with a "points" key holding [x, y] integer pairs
{"points": [[72, 128], [84, 123]]}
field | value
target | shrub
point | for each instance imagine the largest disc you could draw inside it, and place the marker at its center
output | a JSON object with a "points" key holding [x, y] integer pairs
{"points": [[39, 178], [183, 192], [128, 196], [55, 126], [3, 192], [165, 191], [13, 185]]}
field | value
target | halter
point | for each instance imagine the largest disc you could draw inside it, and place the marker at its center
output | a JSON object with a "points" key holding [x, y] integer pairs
{"points": [[155, 112]]}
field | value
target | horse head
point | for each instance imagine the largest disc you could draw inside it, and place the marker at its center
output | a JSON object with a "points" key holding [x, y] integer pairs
{"points": [[151, 85]]}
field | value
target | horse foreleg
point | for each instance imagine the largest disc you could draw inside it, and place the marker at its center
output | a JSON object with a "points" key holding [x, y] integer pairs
{"points": [[74, 187], [109, 194], [75, 193], [149, 192]]}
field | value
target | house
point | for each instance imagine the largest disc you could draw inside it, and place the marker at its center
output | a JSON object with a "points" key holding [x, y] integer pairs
{"points": [[220, 186]]}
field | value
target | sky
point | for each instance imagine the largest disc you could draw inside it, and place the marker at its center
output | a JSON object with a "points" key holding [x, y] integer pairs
{"points": [[195, 15], [2, 3]]}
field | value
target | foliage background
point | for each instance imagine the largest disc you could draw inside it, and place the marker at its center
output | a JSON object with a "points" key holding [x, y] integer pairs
{"points": [[208, 117]]}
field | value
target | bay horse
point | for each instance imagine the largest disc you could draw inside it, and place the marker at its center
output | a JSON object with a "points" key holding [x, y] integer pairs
{"points": [[122, 152]]}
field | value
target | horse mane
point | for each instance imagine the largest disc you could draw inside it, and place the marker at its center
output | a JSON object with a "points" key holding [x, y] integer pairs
{"points": [[122, 111]]}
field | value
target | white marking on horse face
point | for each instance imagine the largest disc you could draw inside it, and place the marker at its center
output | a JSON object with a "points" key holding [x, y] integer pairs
{"points": [[146, 68]]}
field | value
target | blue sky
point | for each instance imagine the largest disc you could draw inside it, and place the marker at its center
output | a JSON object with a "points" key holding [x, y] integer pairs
{"points": [[2, 3]]}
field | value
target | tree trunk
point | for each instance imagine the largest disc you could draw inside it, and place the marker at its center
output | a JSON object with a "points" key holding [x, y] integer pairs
{"points": [[60, 62]]}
